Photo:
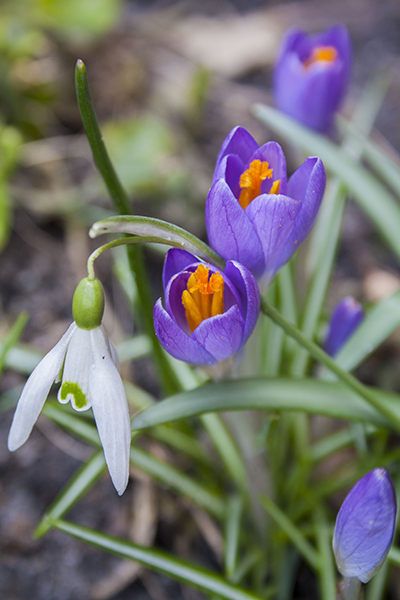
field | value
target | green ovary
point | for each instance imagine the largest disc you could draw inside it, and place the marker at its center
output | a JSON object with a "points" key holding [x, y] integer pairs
{"points": [[80, 400]]}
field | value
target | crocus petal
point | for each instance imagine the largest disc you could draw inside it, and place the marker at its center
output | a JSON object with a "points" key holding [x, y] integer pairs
{"points": [[230, 231], [230, 169], [36, 391], [110, 409], [75, 379], [238, 141], [175, 341], [345, 319], [249, 294], [365, 526], [310, 98], [338, 36], [221, 335], [307, 185], [176, 260], [273, 218]]}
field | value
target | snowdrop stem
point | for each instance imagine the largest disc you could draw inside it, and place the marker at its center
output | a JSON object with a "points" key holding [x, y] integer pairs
{"points": [[113, 244], [134, 239], [350, 589]]}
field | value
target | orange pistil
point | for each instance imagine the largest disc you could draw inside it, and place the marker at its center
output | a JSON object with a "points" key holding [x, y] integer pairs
{"points": [[251, 180], [321, 54], [204, 296]]}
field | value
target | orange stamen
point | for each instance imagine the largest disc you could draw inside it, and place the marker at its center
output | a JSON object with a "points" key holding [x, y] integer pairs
{"points": [[204, 296], [321, 54], [251, 180], [275, 187]]}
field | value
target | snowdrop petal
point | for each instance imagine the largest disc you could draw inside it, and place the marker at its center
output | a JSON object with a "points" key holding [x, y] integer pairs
{"points": [[110, 409], [36, 391], [75, 380]]}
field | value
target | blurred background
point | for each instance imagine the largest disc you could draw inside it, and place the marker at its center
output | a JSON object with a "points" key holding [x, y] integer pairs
{"points": [[169, 80]]}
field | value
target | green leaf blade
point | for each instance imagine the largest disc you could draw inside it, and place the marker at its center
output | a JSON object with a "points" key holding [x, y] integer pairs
{"points": [[306, 395], [204, 580]]}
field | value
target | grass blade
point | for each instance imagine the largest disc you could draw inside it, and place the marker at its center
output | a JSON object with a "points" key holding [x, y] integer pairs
{"points": [[331, 399], [204, 580]]}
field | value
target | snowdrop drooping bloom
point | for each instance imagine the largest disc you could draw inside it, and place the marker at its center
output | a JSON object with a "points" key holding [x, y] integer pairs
{"points": [[86, 362], [365, 526]]}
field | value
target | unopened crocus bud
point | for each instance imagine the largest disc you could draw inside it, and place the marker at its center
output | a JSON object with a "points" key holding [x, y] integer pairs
{"points": [[365, 526], [311, 75], [345, 319]]}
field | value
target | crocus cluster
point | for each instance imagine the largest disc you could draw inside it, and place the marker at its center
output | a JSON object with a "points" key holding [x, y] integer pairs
{"points": [[311, 75], [365, 526], [209, 314], [346, 318], [86, 362], [253, 214]]}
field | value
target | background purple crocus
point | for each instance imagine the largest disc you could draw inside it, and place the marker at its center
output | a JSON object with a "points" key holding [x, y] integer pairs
{"points": [[365, 526], [311, 75], [264, 232], [345, 319], [216, 337]]}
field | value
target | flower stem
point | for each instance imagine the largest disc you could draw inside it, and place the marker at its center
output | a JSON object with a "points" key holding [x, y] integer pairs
{"points": [[134, 239], [326, 360], [350, 589], [121, 200]]}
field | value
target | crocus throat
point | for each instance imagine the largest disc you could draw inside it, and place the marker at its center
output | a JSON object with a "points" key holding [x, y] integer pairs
{"points": [[204, 296], [321, 54], [251, 180]]}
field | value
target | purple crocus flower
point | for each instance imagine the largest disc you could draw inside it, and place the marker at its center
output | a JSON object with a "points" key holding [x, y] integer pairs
{"points": [[311, 76], [208, 314], [345, 319], [365, 526], [253, 214]]}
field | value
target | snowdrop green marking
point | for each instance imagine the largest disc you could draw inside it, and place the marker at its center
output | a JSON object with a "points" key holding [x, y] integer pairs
{"points": [[80, 400]]}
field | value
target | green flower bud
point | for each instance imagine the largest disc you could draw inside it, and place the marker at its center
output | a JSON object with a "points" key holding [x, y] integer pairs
{"points": [[88, 304]]}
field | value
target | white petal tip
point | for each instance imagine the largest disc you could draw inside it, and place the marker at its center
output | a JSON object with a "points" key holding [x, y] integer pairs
{"points": [[15, 441], [121, 489]]}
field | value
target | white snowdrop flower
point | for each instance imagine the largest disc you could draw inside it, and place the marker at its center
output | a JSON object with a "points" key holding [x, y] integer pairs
{"points": [[86, 362]]}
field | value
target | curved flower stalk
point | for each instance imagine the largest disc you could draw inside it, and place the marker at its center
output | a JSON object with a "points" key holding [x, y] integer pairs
{"points": [[345, 319], [311, 75], [208, 314], [365, 526], [253, 214], [86, 362]]}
